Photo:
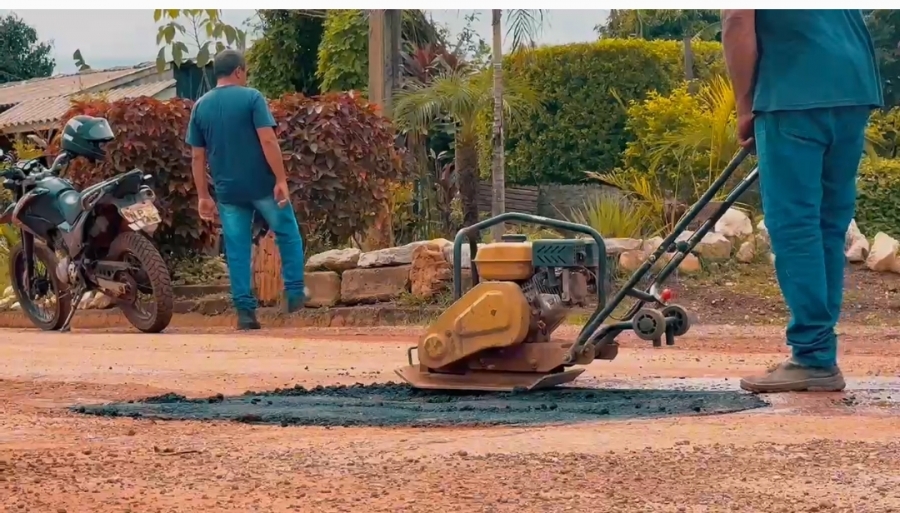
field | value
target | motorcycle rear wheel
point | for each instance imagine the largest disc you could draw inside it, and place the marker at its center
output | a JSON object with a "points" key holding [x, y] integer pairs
{"points": [[58, 309], [138, 250]]}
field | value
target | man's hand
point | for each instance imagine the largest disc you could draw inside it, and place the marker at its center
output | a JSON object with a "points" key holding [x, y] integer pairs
{"points": [[207, 209], [745, 131], [282, 193]]}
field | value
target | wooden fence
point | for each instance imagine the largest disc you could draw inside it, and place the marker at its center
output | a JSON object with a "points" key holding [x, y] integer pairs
{"points": [[520, 198]]}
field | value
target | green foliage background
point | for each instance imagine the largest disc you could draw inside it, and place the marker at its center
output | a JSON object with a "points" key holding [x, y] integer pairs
{"points": [[878, 200], [285, 59], [585, 88], [344, 51]]}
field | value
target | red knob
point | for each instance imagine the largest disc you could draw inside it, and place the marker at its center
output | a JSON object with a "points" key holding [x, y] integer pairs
{"points": [[667, 295]]}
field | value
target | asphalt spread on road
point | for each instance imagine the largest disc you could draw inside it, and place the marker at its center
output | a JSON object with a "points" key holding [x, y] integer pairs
{"points": [[390, 404]]}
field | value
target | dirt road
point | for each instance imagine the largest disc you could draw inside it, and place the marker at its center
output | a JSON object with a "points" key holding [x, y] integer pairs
{"points": [[833, 452]]}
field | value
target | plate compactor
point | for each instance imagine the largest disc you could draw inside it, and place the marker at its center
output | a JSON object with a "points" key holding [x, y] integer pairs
{"points": [[497, 337]]}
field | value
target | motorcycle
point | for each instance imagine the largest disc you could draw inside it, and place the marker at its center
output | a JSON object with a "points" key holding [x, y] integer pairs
{"points": [[75, 242]]}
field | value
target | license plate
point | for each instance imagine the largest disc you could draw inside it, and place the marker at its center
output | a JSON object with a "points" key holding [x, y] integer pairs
{"points": [[144, 213]]}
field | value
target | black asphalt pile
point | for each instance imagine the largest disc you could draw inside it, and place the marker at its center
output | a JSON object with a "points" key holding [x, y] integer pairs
{"points": [[392, 404]]}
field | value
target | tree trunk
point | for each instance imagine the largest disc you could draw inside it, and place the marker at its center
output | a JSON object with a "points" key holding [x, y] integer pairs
{"points": [[467, 174], [688, 58], [498, 177]]}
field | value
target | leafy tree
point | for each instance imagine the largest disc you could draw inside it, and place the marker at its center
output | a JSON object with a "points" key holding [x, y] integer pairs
{"points": [[197, 32], [884, 25], [344, 51], [21, 55], [285, 58]]}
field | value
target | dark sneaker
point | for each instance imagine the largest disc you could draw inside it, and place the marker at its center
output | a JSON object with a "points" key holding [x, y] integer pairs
{"points": [[789, 376], [294, 303], [246, 320]]}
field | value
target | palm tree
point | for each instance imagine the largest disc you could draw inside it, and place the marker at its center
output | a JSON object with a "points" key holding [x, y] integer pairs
{"points": [[456, 99], [693, 26], [523, 26], [685, 24]]}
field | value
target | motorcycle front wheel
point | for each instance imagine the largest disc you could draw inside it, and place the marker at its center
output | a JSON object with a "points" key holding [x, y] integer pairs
{"points": [[45, 300], [150, 277]]}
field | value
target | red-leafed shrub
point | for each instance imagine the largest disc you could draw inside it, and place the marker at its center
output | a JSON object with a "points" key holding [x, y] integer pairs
{"points": [[340, 158], [339, 154], [150, 136]]}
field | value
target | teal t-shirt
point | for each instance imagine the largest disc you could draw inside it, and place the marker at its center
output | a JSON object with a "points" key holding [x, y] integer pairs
{"points": [[224, 121], [814, 58]]}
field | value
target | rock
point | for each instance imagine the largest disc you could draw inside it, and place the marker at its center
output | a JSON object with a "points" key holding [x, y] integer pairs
{"points": [[734, 223], [690, 264], [617, 246], [747, 252], [337, 260], [650, 245], [856, 246], [15, 306], [8, 292], [85, 303], [6, 302], [883, 255], [443, 244], [400, 255], [762, 230], [101, 302], [324, 288], [631, 260], [430, 271], [466, 254], [370, 285], [713, 246]]}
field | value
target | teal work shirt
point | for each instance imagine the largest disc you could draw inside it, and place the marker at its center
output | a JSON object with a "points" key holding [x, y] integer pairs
{"points": [[224, 121], [814, 58]]}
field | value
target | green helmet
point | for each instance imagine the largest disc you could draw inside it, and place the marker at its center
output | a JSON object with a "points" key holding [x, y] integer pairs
{"points": [[84, 136]]}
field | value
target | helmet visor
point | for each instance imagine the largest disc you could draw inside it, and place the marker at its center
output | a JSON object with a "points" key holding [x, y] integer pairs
{"points": [[100, 131]]}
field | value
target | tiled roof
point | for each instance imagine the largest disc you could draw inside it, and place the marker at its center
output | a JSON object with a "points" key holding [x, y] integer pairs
{"points": [[61, 85], [49, 110]]}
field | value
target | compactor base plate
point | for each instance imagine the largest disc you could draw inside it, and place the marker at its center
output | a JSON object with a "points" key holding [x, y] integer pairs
{"points": [[485, 381]]}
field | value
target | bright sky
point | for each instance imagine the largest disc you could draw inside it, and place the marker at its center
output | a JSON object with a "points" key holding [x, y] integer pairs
{"points": [[124, 37]]}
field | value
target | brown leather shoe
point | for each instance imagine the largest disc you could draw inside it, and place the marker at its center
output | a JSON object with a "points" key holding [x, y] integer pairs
{"points": [[789, 376]]}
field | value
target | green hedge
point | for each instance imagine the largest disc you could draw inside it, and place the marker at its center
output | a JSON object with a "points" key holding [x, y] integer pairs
{"points": [[878, 197], [582, 124], [344, 51]]}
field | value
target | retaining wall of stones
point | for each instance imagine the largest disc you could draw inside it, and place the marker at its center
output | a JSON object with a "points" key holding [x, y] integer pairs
{"points": [[349, 277]]}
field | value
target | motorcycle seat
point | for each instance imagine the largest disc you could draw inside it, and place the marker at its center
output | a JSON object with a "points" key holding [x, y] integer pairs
{"points": [[70, 200]]}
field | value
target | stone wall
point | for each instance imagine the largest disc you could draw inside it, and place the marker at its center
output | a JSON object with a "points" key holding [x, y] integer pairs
{"points": [[423, 269]]}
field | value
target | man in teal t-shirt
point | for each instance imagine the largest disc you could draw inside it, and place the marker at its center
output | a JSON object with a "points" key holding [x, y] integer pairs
{"points": [[805, 82], [232, 129]]}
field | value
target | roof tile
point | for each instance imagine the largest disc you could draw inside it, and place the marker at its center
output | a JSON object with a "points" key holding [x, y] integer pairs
{"points": [[49, 110]]}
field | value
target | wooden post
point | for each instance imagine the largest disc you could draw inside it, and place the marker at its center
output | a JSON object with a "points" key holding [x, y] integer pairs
{"points": [[384, 73]]}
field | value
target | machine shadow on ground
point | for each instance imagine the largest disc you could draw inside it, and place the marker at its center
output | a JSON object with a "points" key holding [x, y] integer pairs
{"points": [[384, 405]]}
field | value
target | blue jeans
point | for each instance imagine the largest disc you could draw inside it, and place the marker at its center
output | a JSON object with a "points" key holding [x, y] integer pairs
{"points": [[808, 160], [237, 231]]}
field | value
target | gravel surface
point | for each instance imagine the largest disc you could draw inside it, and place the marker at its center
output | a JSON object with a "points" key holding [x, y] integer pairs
{"points": [[824, 452]]}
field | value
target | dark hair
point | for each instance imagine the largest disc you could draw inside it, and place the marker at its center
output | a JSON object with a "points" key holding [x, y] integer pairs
{"points": [[227, 62]]}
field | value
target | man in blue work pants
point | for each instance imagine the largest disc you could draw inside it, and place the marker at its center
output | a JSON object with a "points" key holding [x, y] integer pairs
{"points": [[232, 128], [805, 82]]}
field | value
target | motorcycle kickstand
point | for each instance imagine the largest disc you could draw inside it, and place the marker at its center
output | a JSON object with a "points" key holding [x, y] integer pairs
{"points": [[76, 299]]}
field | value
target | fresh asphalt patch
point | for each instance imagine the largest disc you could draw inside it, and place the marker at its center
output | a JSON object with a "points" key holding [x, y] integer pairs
{"points": [[383, 405]]}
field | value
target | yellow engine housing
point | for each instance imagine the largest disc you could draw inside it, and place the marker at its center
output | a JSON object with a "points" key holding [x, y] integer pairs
{"points": [[491, 315], [504, 261]]}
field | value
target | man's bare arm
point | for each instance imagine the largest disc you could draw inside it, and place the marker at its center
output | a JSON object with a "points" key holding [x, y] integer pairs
{"points": [[198, 169], [739, 42], [272, 151]]}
